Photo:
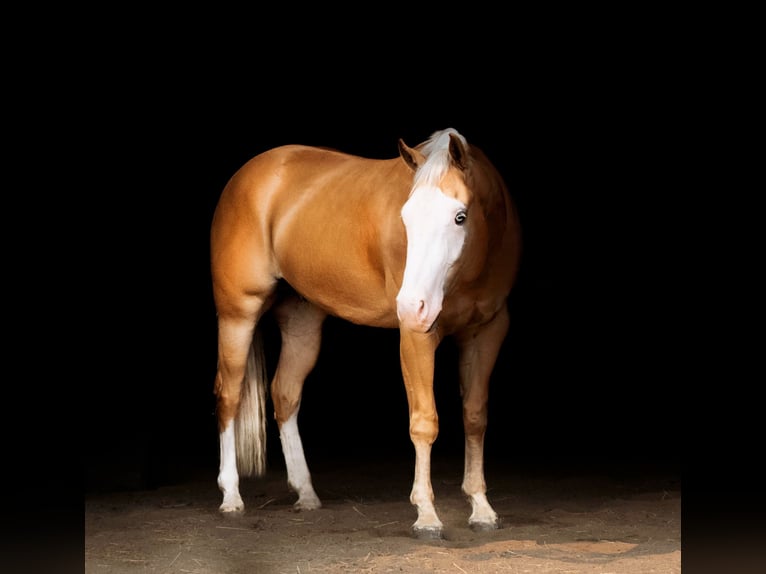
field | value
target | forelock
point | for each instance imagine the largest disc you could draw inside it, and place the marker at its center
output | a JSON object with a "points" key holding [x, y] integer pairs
{"points": [[436, 151]]}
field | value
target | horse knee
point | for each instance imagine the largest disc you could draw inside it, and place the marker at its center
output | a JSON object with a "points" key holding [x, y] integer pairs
{"points": [[424, 428], [474, 422], [227, 400], [285, 403]]}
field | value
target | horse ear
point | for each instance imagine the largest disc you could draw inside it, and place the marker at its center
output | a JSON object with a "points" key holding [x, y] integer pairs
{"points": [[457, 151], [411, 156]]}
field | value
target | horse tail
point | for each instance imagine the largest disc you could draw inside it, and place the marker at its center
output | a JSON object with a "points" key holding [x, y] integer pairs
{"points": [[250, 423]]}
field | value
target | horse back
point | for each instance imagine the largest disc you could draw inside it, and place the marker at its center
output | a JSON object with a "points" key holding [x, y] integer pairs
{"points": [[324, 221]]}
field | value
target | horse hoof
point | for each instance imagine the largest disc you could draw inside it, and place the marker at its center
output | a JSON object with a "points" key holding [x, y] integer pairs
{"points": [[427, 533], [483, 526], [232, 506], [299, 506]]}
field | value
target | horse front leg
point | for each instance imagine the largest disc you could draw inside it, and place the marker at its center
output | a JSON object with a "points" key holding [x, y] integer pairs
{"points": [[417, 358], [479, 347]]}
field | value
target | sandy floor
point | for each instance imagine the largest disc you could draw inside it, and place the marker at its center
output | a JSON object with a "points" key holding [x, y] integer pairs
{"points": [[581, 522]]}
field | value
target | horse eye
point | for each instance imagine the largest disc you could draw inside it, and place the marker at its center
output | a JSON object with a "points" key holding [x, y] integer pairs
{"points": [[460, 217]]}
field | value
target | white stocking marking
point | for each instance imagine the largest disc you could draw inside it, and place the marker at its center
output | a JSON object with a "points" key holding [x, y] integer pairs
{"points": [[228, 479], [298, 476], [422, 495]]}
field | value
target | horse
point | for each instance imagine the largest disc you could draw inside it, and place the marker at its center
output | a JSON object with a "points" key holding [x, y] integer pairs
{"points": [[427, 242]]}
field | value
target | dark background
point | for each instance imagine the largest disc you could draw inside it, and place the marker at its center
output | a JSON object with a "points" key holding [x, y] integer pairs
{"points": [[586, 129]]}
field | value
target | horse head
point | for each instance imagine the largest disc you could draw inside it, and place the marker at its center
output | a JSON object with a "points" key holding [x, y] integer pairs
{"points": [[437, 217]]}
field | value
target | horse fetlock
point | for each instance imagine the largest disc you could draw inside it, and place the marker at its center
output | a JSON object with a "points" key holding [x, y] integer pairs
{"points": [[307, 496], [428, 522], [483, 517]]}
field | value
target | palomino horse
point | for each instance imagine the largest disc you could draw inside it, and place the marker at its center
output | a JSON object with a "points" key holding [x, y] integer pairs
{"points": [[426, 242]]}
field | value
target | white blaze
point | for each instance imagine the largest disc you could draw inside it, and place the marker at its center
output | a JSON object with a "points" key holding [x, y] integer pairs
{"points": [[434, 242]]}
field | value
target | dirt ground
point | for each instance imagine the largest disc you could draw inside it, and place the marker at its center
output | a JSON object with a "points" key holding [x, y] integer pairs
{"points": [[569, 522]]}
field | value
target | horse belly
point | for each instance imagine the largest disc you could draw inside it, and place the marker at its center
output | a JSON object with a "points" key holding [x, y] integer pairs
{"points": [[336, 276]]}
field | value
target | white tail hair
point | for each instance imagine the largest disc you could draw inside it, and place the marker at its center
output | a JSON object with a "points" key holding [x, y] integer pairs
{"points": [[250, 422]]}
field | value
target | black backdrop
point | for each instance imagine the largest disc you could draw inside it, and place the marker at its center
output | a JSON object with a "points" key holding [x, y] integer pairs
{"points": [[585, 136]]}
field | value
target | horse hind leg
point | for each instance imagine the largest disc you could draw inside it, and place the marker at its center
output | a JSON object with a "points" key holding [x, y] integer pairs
{"points": [[479, 348], [235, 340], [300, 324]]}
